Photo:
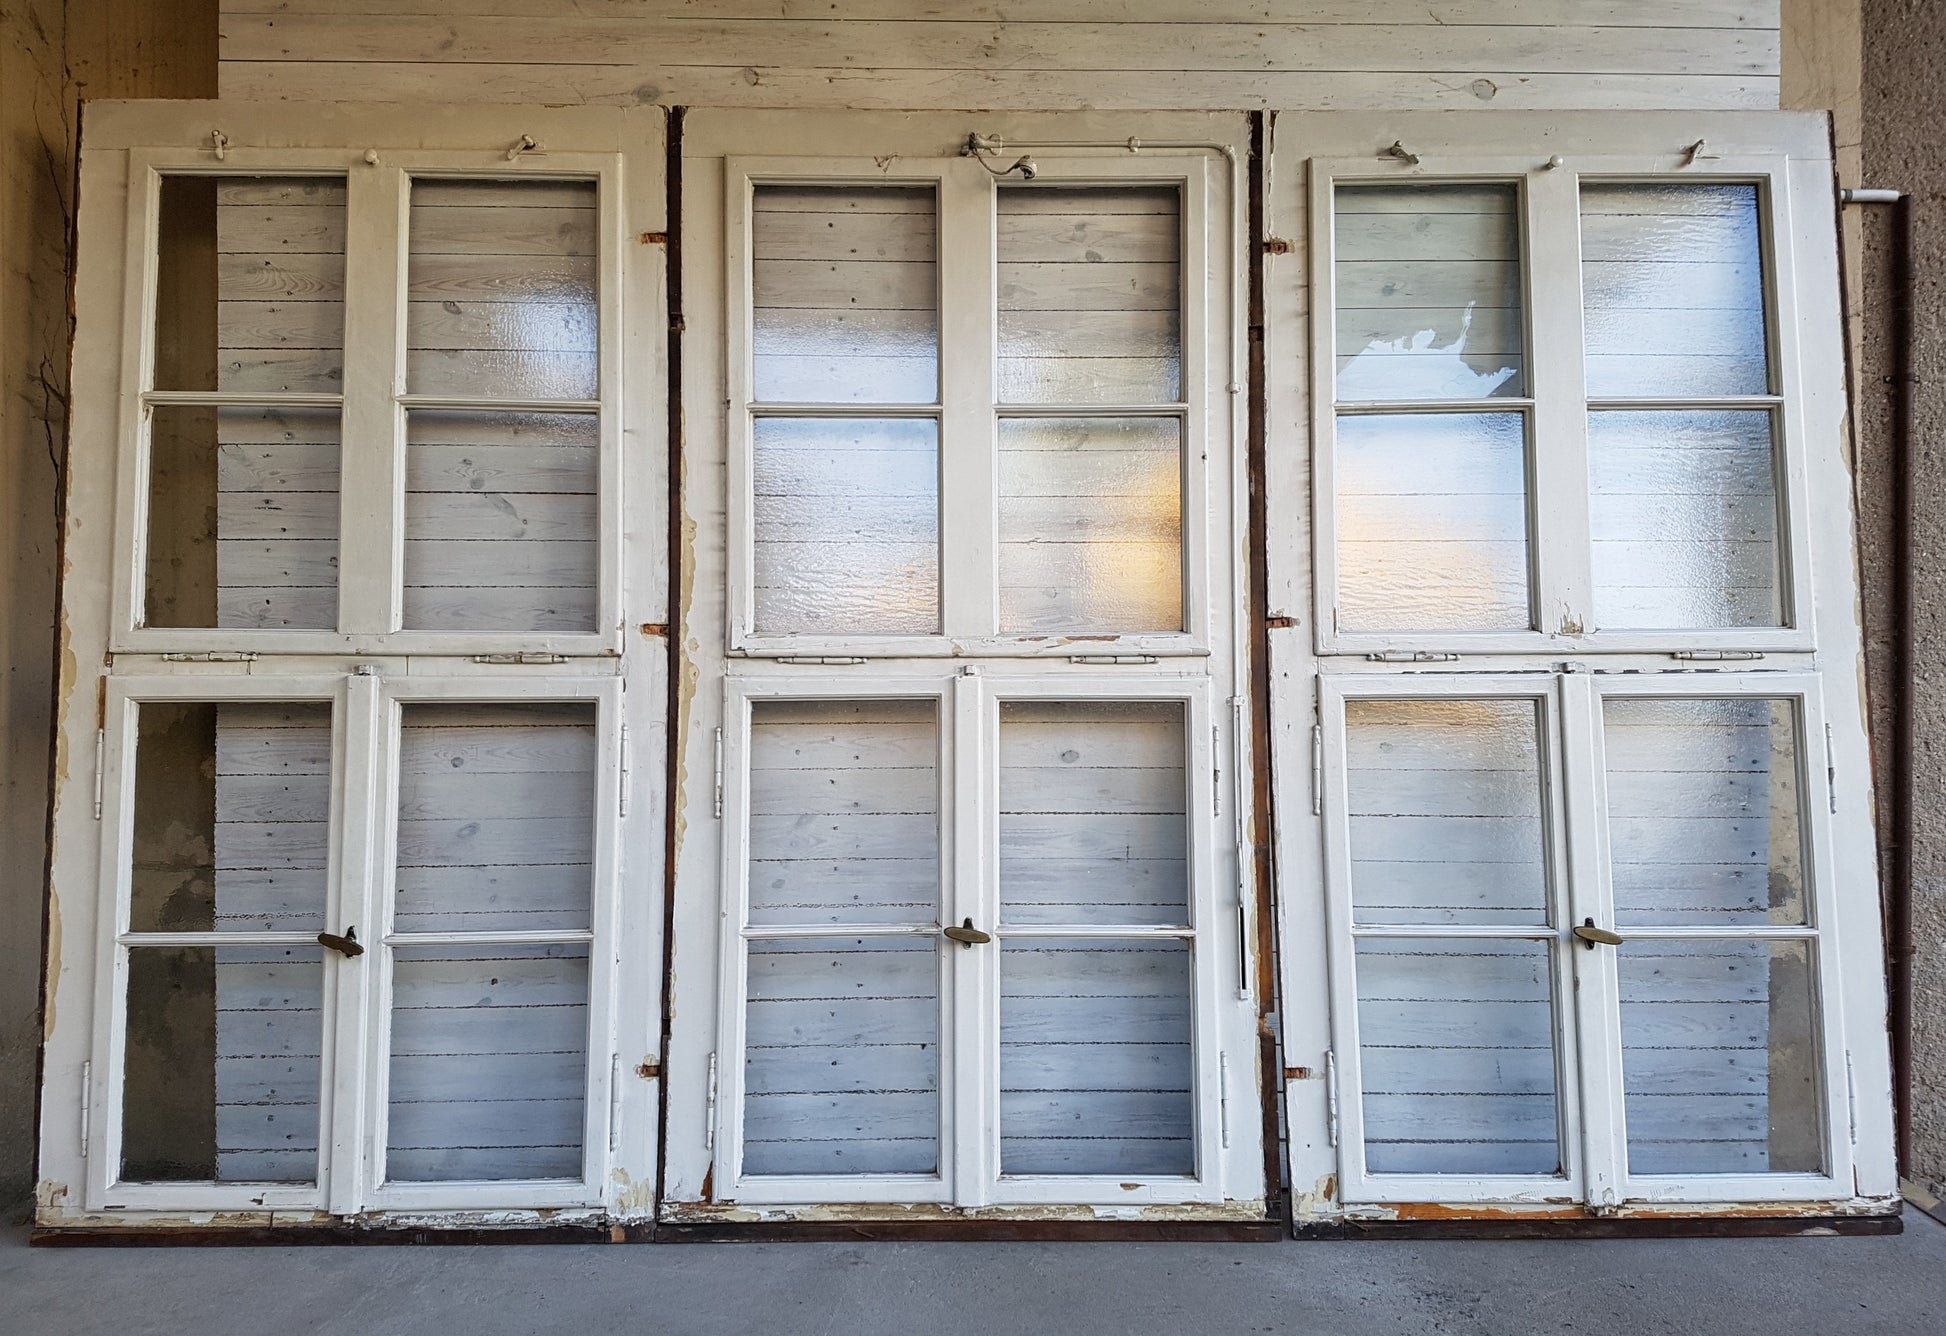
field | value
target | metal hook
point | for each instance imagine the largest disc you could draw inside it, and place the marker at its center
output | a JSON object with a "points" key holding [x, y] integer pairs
{"points": [[1401, 152], [219, 144], [525, 144], [1693, 153]]}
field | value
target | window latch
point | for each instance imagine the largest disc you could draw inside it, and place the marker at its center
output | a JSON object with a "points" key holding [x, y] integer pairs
{"points": [[967, 935], [347, 946]]}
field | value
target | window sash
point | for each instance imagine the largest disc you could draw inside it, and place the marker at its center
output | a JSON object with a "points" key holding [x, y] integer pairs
{"points": [[371, 532], [969, 407], [1559, 484]]}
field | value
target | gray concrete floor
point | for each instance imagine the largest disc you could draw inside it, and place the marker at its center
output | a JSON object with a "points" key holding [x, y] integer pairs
{"points": [[1777, 1287]]}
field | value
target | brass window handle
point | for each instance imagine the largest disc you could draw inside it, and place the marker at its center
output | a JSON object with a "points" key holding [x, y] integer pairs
{"points": [[346, 946], [1589, 933], [967, 934]]}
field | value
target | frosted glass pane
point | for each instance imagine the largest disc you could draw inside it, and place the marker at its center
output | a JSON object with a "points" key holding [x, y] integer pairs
{"points": [[243, 518], [489, 1063], [502, 521], [1720, 1057], [496, 827], [1683, 512], [1091, 524], [845, 292], [500, 288], [1095, 1058], [1432, 522], [1090, 294], [1456, 1043], [844, 812], [250, 284], [1673, 290], [221, 1064], [1428, 292], [1093, 812], [841, 1056], [1705, 812], [847, 525], [1444, 800]]}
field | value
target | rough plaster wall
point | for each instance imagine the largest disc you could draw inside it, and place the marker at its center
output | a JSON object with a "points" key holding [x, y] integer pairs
{"points": [[51, 55], [1904, 119]]}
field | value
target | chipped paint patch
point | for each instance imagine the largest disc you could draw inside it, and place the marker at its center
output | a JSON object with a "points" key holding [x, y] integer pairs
{"points": [[1320, 1203]]}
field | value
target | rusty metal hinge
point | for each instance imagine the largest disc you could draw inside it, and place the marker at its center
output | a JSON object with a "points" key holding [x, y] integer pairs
{"points": [[1716, 655], [622, 803], [1278, 246], [213, 656], [709, 1119], [718, 801], [101, 758], [524, 656], [1410, 656], [1111, 658]]}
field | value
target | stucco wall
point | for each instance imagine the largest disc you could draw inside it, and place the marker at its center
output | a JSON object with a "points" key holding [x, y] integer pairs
{"points": [[1904, 119]]}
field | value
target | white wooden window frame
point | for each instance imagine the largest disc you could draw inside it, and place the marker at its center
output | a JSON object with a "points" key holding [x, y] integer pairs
{"points": [[374, 404], [969, 1174], [1556, 407], [360, 881], [969, 408], [1585, 998]]}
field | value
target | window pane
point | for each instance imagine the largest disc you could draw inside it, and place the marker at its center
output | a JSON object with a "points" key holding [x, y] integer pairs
{"points": [[1432, 522], [1091, 524], [1428, 291], [1720, 1055], [232, 817], [841, 1057], [502, 521], [496, 816], [1673, 290], [489, 1063], [847, 524], [1705, 812], [1684, 520], [846, 294], [1444, 800], [1096, 1071], [1090, 294], [221, 1067], [1456, 1040], [250, 284], [844, 812], [243, 518], [500, 288], [1093, 825]]}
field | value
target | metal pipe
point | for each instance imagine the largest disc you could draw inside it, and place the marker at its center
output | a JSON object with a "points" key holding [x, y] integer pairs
{"points": [[1899, 948]]}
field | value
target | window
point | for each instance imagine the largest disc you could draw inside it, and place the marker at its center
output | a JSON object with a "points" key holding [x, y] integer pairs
{"points": [[366, 748], [1584, 743]]}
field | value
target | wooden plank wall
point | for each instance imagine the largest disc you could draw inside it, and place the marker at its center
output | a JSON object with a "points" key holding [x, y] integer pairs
{"points": [[1040, 54]]}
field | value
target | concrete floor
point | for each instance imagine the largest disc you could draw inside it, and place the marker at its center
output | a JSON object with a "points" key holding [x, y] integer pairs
{"points": [[1776, 1287]]}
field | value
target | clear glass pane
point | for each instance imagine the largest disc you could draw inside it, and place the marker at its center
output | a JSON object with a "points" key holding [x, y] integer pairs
{"points": [[1090, 305], [1720, 1056], [1673, 290], [243, 518], [844, 812], [1705, 812], [1444, 800], [1456, 1042], [496, 816], [1429, 292], [1093, 802], [1091, 524], [221, 1067], [502, 521], [1096, 1073], [232, 817], [841, 1056], [847, 525], [1684, 520], [501, 289], [1432, 522], [250, 284], [489, 1065], [845, 292]]}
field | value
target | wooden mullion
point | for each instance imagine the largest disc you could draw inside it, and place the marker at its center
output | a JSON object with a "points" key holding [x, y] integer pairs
{"points": [[371, 514], [1557, 441], [969, 580]]}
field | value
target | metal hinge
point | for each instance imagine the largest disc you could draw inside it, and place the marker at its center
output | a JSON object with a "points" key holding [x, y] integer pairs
{"points": [[1111, 658], [709, 1117], [626, 758], [524, 656], [614, 1101], [719, 773], [1830, 772], [823, 660], [213, 656], [1716, 655], [1317, 769], [1851, 1096], [1410, 656], [87, 1104], [101, 759], [1223, 1096], [1331, 1095]]}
